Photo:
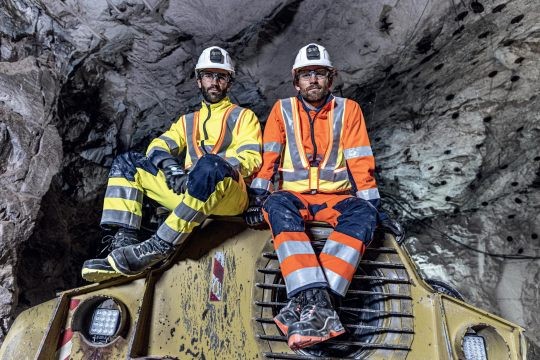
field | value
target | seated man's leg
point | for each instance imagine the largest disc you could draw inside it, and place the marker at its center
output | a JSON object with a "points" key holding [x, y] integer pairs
{"points": [[309, 317], [130, 176], [304, 319], [214, 186], [355, 221]]}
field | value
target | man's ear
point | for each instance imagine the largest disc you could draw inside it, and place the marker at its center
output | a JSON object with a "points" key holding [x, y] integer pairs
{"points": [[295, 84], [199, 83]]}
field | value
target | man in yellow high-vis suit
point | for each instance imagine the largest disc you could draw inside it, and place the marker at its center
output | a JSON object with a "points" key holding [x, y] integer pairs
{"points": [[222, 143]]}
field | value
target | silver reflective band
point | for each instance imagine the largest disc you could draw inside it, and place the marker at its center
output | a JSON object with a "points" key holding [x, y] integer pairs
{"points": [[358, 152], [303, 277], [170, 142], [342, 251], [474, 347], [259, 183], [369, 194], [273, 147], [337, 283], [291, 247], [104, 322], [124, 192]]}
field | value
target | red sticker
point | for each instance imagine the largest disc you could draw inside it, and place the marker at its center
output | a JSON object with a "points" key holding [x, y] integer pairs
{"points": [[216, 283]]}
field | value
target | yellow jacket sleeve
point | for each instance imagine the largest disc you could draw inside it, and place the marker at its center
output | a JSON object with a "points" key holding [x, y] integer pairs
{"points": [[247, 144], [169, 144]]}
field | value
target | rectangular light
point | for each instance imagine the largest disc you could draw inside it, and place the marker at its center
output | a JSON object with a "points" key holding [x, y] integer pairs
{"points": [[474, 347], [104, 322]]}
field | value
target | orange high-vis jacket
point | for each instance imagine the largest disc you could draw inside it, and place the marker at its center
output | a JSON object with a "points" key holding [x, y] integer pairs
{"points": [[343, 149]]}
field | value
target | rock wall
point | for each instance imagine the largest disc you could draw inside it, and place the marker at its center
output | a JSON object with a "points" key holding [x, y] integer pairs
{"points": [[449, 91]]}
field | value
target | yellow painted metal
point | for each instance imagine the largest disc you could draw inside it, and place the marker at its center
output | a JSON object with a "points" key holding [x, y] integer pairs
{"points": [[172, 316], [441, 322], [27, 331], [185, 322]]}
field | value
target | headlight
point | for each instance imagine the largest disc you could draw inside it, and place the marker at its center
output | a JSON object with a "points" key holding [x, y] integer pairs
{"points": [[481, 342], [474, 347], [104, 322], [100, 319]]}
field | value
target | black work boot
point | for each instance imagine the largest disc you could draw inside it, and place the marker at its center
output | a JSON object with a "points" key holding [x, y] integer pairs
{"points": [[134, 259], [318, 321], [97, 270], [289, 314]]}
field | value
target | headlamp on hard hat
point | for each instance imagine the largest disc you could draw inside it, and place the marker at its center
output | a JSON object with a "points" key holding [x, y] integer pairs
{"points": [[312, 52], [216, 56]]}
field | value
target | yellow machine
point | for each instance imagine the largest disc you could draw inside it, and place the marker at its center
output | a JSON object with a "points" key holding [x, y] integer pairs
{"points": [[217, 297]]}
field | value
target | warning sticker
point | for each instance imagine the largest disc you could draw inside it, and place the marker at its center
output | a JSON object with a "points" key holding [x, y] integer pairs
{"points": [[216, 283]]}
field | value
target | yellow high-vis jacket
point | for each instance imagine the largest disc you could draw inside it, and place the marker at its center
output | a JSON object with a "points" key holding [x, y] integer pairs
{"points": [[224, 129]]}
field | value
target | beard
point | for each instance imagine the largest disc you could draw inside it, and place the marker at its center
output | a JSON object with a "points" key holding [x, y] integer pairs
{"points": [[213, 94], [314, 93]]}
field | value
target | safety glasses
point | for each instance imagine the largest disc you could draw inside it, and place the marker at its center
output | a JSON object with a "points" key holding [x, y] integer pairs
{"points": [[211, 76]]}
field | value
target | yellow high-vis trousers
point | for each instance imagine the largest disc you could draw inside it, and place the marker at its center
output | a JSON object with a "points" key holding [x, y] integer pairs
{"points": [[214, 188]]}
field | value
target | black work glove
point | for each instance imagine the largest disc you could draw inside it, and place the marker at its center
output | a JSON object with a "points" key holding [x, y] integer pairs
{"points": [[254, 215], [175, 176], [392, 226]]}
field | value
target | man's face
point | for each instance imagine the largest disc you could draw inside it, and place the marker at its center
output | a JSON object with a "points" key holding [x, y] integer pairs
{"points": [[313, 83], [214, 84]]}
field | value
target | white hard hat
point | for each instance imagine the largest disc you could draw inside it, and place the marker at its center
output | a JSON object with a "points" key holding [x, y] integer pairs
{"points": [[312, 54], [215, 57]]}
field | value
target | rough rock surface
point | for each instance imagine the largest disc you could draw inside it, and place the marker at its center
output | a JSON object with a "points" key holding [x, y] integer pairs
{"points": [[449, 89]]}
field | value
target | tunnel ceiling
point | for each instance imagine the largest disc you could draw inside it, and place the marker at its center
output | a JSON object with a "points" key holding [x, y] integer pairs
{"points": [[449, 90]]}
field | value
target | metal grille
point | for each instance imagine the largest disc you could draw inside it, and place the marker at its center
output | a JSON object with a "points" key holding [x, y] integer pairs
{"points": [[376, 312]]}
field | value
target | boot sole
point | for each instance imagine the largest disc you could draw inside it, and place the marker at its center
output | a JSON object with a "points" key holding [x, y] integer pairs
{"points": [[297, 341], [94, 275], [113, 264]]}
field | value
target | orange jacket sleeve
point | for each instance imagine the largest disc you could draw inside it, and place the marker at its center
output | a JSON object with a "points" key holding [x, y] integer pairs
{"points": [[358, 153]]}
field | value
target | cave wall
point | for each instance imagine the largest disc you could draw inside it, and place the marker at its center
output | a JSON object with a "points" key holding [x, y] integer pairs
{"points": [[449, 91]]}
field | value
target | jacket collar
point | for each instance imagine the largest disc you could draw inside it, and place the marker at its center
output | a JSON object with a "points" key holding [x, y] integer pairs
{"points": [[223, 104]]}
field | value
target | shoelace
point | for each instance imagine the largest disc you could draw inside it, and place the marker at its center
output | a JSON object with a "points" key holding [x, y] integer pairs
{"points": [[116, 241], [150, 246]]}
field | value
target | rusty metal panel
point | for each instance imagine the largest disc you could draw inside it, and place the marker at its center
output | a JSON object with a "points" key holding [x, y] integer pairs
{"points": [[203, 304]]}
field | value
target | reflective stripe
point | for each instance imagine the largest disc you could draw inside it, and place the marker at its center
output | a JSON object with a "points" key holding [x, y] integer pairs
{"points": [[184, 212], [119, 217], [287, 106], [189, 121], [259, 183], [231, 120], [337, 125], [297, 175], [337, 283], [368, 194], [252, 147], [303, 277], [358, 152], [289, 247], [123, 192], [344, 252], [234, 162], [331, 175], [171, 236], [170, 143], [273, 147]]}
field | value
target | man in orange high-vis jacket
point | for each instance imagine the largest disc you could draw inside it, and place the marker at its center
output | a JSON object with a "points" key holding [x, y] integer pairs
{"points": [[318, 146]]}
